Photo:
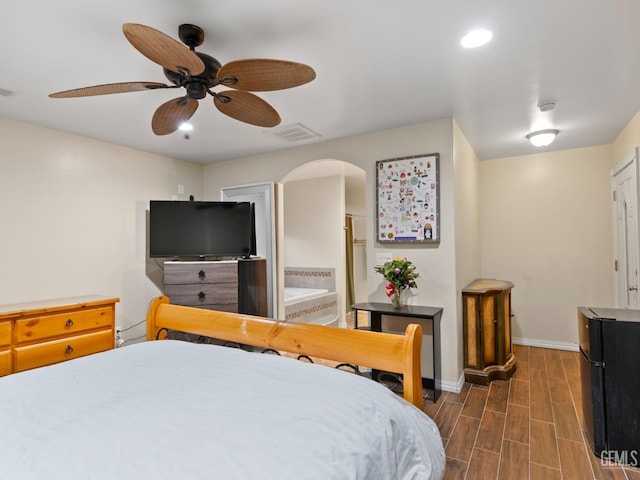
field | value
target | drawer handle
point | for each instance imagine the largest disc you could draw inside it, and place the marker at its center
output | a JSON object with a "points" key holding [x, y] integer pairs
{"points": [[201, 274], [68, 323], [68, 350], [201, 295]]}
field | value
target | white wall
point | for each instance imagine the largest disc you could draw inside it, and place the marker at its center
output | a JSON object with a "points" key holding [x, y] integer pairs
{"points": [[546, 227], [313, 216], [74, 212], [435, 263]]}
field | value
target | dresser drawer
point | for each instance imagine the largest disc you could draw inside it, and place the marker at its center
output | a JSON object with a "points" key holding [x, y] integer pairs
{"points": [[70, 323], [5, 362], [206, 272], [205, 294], [46, 353], [5, 334]]}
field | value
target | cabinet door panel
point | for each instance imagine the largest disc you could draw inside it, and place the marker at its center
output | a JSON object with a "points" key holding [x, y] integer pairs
{"points": [[471, 318], [489, 330]]}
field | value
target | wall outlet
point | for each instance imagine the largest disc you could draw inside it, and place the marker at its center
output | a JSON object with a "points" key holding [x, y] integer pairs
{"points": [[119, 341], [180, 189]]}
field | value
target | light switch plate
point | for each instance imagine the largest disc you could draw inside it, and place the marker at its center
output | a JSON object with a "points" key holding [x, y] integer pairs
{"points": [[381, 258]]}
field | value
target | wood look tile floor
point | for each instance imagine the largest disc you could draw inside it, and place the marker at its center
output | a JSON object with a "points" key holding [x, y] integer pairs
{"points": [[527, 427]]}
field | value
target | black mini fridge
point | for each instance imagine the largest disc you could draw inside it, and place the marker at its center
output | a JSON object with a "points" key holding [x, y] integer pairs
{"points": [[610, 375]]}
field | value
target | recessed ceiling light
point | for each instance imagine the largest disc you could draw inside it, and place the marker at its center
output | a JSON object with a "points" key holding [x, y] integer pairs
{"points": [[186, 127], [476, 38]]}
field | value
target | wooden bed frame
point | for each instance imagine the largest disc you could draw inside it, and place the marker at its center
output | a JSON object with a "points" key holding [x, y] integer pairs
{"points": [[380, 351]]}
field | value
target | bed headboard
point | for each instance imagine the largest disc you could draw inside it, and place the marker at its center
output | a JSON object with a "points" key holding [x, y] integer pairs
{"points": [[380, 351]]}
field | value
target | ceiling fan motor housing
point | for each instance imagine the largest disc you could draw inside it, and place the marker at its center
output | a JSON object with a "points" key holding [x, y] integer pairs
{"points": [[197, 86]]}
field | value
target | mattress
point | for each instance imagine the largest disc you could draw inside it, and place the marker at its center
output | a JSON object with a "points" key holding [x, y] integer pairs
{"points": [[171, 409]]}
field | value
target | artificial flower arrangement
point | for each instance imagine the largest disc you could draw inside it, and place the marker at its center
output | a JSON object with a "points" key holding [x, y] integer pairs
{"points": [[401, 274]]}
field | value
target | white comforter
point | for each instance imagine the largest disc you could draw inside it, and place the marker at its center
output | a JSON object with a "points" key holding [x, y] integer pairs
{"points": [[176, 410]]}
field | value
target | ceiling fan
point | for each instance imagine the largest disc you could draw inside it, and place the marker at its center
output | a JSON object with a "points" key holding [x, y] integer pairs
{"points": [[199, 73]]}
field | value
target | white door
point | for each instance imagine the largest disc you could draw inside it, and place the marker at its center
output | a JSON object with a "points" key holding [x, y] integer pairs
{"points": [[626, 245], [262, 194]]}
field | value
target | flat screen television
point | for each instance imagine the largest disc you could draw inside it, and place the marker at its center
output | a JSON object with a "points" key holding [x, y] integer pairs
{"points": [[201, 229]]}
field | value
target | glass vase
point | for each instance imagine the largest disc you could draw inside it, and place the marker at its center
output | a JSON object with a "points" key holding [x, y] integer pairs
{"points": [[397, 299]]}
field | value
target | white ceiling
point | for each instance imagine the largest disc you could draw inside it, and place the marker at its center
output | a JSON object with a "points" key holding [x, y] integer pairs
{"points": [[379, 65]]}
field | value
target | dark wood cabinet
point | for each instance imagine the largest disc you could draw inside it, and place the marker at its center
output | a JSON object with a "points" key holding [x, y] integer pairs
{"points": [[238, 286], [488, 355]]}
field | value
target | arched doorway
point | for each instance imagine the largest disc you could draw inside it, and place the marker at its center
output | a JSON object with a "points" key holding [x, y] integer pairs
{"points": [[324, 225]]}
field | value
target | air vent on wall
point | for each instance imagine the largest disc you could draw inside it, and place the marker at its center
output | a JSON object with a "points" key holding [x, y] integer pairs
{"points": [[295, 132]]}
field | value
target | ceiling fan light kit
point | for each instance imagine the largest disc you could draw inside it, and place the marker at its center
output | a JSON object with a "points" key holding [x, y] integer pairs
{"points": [[476, 38], [198, 73], [542, 138]]}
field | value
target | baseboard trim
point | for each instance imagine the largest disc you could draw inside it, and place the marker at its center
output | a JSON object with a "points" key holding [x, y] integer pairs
{"points": [[453, 387], [573, 347]]}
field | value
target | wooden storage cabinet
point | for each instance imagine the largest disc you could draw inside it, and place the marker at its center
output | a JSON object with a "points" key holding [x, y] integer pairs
{"points": [[488, 355], [211, 285], [43, 333], [5, 347]]}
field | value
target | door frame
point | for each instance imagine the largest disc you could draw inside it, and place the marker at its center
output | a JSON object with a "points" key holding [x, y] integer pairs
{"points": [[265, 230], [629, 159]]}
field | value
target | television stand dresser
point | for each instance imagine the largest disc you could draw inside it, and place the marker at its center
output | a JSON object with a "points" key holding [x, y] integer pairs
{"points": [[237, 286], [34, 334]]}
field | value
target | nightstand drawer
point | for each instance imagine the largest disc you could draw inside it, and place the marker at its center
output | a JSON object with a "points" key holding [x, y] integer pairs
{"points": [[205, 294], [5, 362], [5, 334], [205, 272], [71, 323], [56, 351]]}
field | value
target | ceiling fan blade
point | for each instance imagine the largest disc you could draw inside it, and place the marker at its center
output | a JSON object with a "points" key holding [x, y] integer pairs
{"points": [[108, 89], [246, 107], [170, 115], [163, 50], [261, 75]]}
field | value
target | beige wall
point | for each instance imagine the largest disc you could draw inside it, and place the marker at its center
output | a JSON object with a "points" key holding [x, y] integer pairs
{"points": [[436, 264], [467, 219], [546, 227], [627, 140], [467, 209], [74, 216], [313, 217], [542, 221]]}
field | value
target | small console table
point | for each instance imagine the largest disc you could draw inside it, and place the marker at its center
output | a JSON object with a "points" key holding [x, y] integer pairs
{"points": [[434, 314]]}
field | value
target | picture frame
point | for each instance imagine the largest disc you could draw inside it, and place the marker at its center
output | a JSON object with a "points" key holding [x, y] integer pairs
{"points": [[408, 199]]}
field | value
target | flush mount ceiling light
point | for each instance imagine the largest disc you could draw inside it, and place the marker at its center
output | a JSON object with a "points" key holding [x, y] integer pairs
{"points": [[542, 138], [476, 38]]}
